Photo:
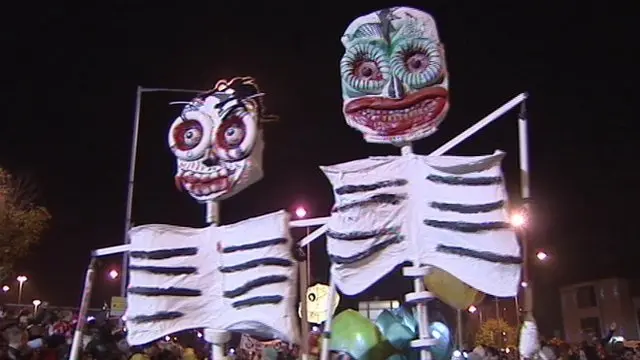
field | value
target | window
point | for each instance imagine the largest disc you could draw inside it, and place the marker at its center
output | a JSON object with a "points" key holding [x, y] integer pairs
{"points": [[372, 309], [586, 297], [591, 325]]}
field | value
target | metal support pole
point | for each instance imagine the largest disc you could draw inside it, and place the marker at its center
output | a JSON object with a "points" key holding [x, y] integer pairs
{"points": [[132, 173], [326, 333], [76, 345], [124, 274], [525, 192]]}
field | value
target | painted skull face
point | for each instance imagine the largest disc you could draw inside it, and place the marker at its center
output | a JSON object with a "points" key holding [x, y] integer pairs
{"points": [[217, 142], [394, 78]]}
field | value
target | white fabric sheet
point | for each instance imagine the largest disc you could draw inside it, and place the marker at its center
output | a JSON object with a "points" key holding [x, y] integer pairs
{"points": [[443, 211], [235, 267]]}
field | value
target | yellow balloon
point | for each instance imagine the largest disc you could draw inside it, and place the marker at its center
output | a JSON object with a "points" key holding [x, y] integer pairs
{"points": [[451, 290]]}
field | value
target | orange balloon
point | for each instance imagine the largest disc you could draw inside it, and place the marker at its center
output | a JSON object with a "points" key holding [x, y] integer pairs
{"points": [[451, 290]]}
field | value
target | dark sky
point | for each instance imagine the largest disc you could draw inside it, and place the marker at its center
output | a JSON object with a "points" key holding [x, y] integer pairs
{"points": [[70, 89]]}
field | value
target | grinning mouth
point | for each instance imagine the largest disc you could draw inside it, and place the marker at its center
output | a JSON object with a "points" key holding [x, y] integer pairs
{"points": [[200, 184], [421, 110]]}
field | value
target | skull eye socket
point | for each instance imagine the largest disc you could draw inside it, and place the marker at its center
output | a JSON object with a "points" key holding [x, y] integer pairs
{"points": [[231, 133], [188, 135]]}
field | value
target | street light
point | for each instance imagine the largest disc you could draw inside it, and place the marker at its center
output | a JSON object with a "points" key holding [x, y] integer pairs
{"points": [[132, 170], [472, 309], [301, 212], [21, 279], [36, 303], [541, 255], [518, 220], [113, 274], [6, 288]]}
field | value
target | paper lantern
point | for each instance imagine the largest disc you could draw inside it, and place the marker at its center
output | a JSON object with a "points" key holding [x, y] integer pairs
{"points": [[317, 303]]}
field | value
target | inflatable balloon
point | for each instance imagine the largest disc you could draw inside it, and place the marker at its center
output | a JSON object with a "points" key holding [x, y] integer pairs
{"points": [[451, 290], [389, 338], [354, 334], [399, 327]]}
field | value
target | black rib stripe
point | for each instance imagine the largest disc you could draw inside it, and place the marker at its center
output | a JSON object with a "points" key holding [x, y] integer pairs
{"points": [[391, 199], [350, 189], [165, 270], [255, 283], [469, 181], [468, 208], [480, 255], [467, 227], [255, 263], [159, 316], [155, 291], [255, 245], [257, 300], [345, 260], [362, 235], [164, 253]]}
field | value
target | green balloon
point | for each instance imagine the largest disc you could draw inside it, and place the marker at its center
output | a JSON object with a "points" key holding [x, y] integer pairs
{"points": [[392, 327], [354, 334]]}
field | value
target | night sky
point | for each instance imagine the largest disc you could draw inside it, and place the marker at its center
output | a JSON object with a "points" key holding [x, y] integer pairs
{"points": [[70, 87]]}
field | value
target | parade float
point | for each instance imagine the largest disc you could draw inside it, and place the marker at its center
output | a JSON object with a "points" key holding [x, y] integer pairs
{"points": [[446, 215]]}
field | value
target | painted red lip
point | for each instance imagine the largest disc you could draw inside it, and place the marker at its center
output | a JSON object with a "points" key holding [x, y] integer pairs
{"points": [[202, 186], [386, 116]]}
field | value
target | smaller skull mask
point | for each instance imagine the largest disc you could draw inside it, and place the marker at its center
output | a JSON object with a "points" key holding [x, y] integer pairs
{"points": [[394, 79], [217, 141]]}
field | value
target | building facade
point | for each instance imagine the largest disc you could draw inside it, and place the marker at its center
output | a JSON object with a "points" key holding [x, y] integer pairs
{"points": [[591, 307]]}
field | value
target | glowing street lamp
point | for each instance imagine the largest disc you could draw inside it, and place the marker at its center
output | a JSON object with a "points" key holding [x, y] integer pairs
{"points": [[301, 212], [472, 309], [6, 288], [518, 220], [21, 279], [113, 274], [541, 255], [36, 303]]}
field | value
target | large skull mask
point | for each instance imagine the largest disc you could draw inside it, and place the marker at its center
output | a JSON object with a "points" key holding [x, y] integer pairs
{"points": [[217, 141], [394, 79]]}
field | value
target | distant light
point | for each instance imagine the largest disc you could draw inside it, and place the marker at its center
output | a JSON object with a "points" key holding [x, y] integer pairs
{"points": [[167, 338], [518, 220], [465, 354], [472, 309], [507, 350], [541, 255], [301, 212], [37, 302], [199, 334], [113, 274], [21, 279], [124, 318], [524, 284], [457, 353], [90, 318], [232, 351], [315, 329], [6, 288]]}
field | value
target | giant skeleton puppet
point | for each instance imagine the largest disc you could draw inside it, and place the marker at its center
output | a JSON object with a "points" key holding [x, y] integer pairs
{"points": [[447, 213], [239, 277]]}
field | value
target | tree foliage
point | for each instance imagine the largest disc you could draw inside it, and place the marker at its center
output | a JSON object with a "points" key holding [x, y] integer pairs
{"points": [[497, 333], [21, 220]]}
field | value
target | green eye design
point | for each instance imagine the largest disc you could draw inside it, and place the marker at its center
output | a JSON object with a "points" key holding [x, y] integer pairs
{"points": [[364, 68], [418, 62]]}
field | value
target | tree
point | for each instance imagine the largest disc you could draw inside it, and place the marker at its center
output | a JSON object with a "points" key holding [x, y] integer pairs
{"points": [[497, 333], [21, 220]]}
